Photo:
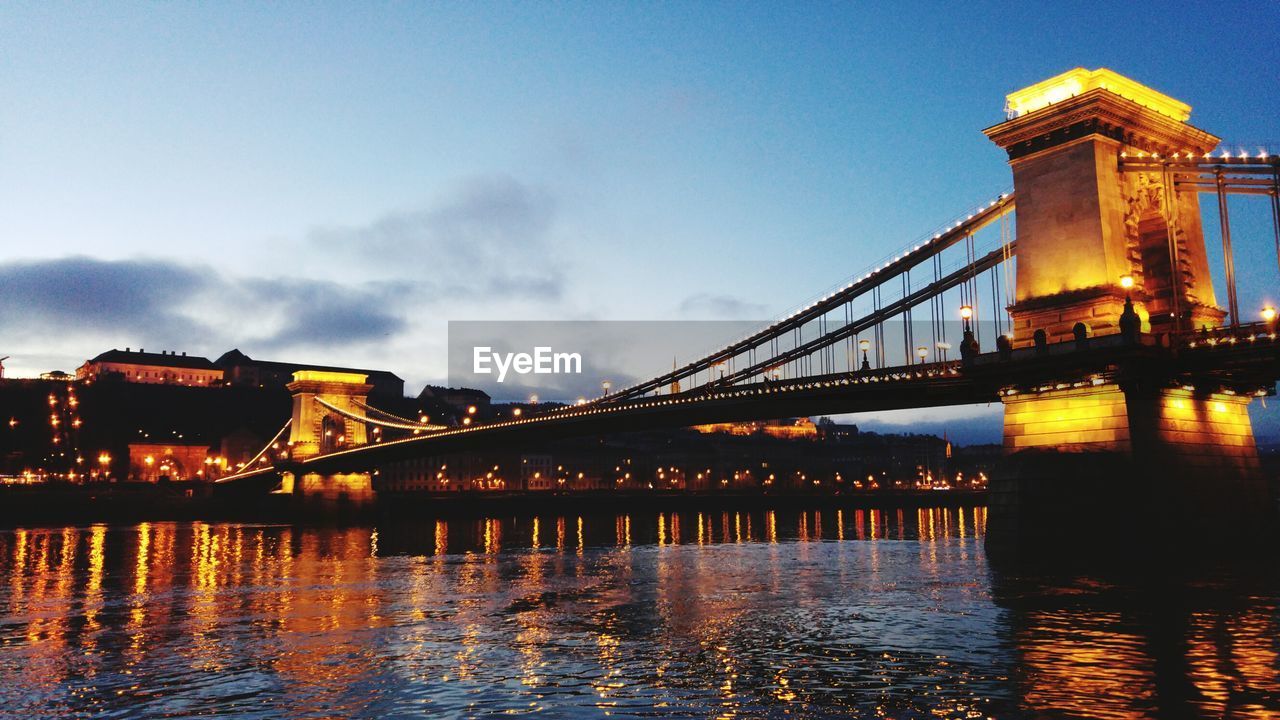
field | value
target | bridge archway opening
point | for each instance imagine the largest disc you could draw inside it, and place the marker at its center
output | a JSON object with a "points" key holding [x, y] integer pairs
{"points": [[333, 433]]}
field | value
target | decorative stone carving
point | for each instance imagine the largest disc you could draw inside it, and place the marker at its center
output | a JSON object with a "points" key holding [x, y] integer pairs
{"points": [[1145, 198]]}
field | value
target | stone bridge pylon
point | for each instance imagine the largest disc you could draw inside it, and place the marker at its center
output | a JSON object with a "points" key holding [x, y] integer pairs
{"points": [[316, 430], [1095, 232]]}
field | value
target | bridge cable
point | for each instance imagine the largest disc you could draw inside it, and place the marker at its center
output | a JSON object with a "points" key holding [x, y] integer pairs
{"points": [[392, 417], [1006, 237], [248, 467], [1275, 208], [956, 278], [872, 280], [365, 419]]}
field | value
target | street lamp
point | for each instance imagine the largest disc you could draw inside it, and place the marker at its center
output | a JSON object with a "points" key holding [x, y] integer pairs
{"points": [[1268, 314], [1130, 323], [922, 351], [865, 345], [968, 344], [1126, 282], [605, 386]]}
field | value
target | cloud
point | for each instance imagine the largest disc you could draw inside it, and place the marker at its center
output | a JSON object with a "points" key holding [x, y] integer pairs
{"points": [[720, 306], [491, 235], [137, 297], [352, 292], [169, 304], [318, 313]]}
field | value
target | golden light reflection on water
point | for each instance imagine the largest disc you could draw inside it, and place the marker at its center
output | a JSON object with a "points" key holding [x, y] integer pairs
{"points": [[886, 612]]}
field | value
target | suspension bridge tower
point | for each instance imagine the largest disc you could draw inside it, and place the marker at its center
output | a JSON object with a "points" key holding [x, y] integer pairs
{"points": [[1093, 236], [324, 404]]}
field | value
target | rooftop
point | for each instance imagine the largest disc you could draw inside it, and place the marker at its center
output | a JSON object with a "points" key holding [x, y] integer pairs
{"points": [[160, 359], [233, 358]]}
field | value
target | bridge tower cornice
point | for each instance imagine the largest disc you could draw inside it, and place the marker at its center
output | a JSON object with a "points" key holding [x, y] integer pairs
{"points": [[1099, 112]]}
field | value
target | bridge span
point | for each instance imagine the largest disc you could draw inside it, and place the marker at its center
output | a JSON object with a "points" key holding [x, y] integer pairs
{"points": [[1104, 337]]}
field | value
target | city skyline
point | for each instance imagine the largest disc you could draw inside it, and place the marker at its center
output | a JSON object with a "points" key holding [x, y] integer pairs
{"points": [[399, 168]]}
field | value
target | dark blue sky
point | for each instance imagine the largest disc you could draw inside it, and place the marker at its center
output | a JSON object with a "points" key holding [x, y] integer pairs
{"points": [[332, 182]]}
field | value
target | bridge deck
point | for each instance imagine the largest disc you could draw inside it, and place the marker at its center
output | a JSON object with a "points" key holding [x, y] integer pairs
{"points": [[1244, 359]]}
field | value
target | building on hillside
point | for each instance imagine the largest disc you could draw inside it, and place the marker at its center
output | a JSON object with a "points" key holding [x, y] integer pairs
{"points": [[792, 429], [162, 368], [243, 371], [154, 462], [462, 399]]}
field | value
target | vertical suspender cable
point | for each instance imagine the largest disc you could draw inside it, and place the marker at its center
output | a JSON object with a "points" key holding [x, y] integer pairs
{"points": [[1228, 260], [906, 318], [1275, 207], [1176, 289], [942, 305]]}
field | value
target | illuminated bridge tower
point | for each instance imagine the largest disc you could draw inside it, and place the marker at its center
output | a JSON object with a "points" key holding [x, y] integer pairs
{"points": [[1086, 228], [317, 430], [1082, 224]]}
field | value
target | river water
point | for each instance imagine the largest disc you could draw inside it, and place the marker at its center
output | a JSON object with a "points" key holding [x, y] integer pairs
{"points": [[787, 613]]}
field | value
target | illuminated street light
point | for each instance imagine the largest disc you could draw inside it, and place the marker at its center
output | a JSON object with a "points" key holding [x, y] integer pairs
{"points": [[865, 345], [605, 386], [922, 351], [1268, 314], [1130, 323]]}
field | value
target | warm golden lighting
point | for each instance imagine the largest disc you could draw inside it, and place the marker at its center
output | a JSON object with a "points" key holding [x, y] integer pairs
{"points": [[1079, 81], [1268, 313], [1126, 282], [966, 311], [332, 377]]}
